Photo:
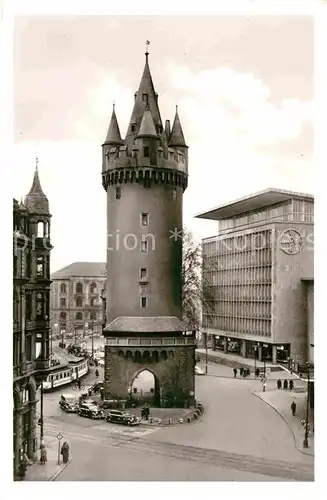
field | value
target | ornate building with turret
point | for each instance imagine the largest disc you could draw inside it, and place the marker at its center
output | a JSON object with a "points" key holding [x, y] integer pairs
{"points": [[31, 311], [145, 176]]}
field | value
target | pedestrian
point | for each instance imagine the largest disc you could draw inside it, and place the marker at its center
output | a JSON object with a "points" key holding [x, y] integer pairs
{"points": [[241, 371], [235, 372], [43, 458], [244, 373], [279, 383], [285, 384], [248, 372], [65, 452], [264, 387], [293, 408], [257, 372], [291, 385]]}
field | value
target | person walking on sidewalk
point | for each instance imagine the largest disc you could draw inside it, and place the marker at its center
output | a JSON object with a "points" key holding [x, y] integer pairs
{"points": [[279, 384], [241, 371], [293, 408], [257, 373], [43, 458], [285, 384], [65, 452], [235, 372], [291, 385]]}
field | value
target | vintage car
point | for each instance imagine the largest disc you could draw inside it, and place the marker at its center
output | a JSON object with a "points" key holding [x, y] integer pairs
{"points": [[198, 370], [90, 410], [122, 417], [68, 403]]}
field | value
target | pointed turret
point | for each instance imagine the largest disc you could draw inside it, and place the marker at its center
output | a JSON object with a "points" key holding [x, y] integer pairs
{"points": [[113, 135], [147, 128], [36, 201], [177, 137], [146, 98]]}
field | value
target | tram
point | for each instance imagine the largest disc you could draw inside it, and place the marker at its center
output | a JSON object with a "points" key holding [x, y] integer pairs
{"points": [[64, 375]]}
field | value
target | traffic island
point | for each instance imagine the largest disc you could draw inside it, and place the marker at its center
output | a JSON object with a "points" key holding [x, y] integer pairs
{"points": [[165, 417]]}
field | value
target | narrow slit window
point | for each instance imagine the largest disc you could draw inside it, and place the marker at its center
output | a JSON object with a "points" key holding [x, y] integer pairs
{"points": [[146, 152], [118, 193], [144, 219], [144, 246], [144, 273], [144, 302]]}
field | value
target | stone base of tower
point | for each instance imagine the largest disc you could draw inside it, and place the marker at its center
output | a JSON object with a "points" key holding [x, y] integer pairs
{"points": [[172, 366]]}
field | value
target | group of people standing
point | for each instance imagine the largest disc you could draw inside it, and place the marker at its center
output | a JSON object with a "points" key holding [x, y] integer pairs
{"points": [[287, 385]]}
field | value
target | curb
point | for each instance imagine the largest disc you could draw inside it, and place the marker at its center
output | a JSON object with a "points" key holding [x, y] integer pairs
{"points": [[193, 421], [288, 425], [56, 474]]}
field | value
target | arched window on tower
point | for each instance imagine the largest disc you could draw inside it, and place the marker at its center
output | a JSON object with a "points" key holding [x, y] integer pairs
{"points": [[93, 288], [40, 229], [118, 193], [79, 288], [63, 288]]}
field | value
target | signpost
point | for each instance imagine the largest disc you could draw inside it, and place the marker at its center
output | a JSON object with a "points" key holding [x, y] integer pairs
{"points": [[59, 437]]}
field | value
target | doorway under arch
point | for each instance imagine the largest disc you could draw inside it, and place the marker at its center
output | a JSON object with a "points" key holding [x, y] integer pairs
{"points": [[145, 388]]}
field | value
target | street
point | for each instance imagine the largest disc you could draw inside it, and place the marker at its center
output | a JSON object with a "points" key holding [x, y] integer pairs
{"points": [[239, 438]]}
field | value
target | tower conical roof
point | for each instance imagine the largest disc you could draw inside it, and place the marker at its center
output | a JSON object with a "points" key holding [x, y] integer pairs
{"points": [[36, 201], [176, 137], [147, 127], [113, 134], [146, 98]]}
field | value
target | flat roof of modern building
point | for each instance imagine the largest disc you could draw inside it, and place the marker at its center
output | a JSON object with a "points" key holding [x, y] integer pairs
{"points": [[265, 198]]}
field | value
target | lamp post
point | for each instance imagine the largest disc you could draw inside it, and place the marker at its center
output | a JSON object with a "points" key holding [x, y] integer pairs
{"points": [[75, 341], [92, 330], [41, 418], [206, 349], [306, 432], [255, 348], [264, 359]]}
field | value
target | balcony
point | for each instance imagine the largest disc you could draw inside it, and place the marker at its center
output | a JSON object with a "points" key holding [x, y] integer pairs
{"points": [[42, 364], [26, 367], [154, 342]]}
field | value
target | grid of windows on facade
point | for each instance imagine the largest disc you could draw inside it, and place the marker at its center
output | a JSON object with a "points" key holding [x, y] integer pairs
{"points": [[291, 210], [239, 271]]}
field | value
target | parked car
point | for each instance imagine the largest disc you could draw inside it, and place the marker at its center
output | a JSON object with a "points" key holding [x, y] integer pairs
{"points": [[198, 370], [68, 403], [113, 403], [90, 411], [122, 417]]}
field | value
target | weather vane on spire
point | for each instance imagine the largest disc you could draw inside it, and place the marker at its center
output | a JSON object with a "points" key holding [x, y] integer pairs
{"points": [[147, 43]]}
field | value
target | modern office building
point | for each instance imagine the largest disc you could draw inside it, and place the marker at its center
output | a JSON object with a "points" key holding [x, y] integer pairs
{"points": [[31, 315], [76, 304], [256, 263]]}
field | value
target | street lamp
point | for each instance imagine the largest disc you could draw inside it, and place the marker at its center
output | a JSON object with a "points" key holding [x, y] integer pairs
{"points": [[41, 418], [264, 360], [205, 335], [255, 348], [305, 441]]}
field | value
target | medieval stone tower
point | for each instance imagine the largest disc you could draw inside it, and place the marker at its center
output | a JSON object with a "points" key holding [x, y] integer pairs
{"points": [[145, 176]]}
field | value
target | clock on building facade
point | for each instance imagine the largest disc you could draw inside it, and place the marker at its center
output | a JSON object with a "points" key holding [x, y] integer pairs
{"points": [[291, 241]]}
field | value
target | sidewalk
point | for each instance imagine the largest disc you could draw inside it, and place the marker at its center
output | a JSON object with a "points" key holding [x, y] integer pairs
{"points": [[51, 469], [281, 401]]}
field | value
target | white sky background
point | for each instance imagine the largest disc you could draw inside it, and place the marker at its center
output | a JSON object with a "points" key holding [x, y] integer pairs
{"points": [[244, 87]]}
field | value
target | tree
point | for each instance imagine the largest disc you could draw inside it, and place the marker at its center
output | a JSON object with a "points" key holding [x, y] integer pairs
{"points": [[197, 291]]}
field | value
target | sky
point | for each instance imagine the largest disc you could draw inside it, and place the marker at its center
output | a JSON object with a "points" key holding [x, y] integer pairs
{"points": [[244, 90]]}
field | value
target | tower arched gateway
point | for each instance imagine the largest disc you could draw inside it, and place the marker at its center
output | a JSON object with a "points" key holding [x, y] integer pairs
{"points": [[145, 177]]}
